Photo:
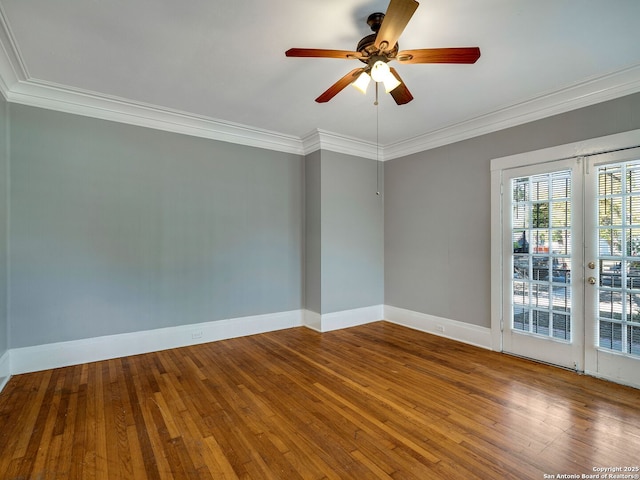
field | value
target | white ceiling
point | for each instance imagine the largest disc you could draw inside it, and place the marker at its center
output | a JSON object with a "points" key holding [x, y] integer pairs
{"points": [[224, 60]]}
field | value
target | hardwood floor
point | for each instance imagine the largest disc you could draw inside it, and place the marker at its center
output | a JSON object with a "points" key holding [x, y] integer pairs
{"points": [[376, 401]]}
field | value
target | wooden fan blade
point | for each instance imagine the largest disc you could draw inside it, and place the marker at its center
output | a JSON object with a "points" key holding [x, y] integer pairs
{"points": [[395, 20], [401, 93], [322, 53], [337, 87], [439, 55]]}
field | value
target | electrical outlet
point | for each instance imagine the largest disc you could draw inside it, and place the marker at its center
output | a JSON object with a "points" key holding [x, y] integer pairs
{"points": [[196, 335], [440, 328]]}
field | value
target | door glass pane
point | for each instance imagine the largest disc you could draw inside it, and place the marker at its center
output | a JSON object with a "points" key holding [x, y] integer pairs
{"points": [[619, 258], [541, 256], [633, 337]]}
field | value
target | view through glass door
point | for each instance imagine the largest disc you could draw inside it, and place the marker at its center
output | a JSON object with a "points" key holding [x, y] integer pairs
{"points": [[542, 219]]}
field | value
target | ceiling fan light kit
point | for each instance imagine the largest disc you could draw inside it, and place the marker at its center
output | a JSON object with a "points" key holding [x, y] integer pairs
{"points": [[380, 72], [362, 82], [376, 50]]}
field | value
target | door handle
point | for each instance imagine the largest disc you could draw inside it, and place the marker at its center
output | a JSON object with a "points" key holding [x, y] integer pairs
{"points": [[591, 280], [592, 265]]}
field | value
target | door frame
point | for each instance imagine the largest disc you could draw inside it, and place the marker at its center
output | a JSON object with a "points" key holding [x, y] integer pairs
{"points": [[584, 148]]}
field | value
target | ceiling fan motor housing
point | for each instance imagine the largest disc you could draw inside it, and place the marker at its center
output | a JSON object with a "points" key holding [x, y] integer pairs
{"points": [[375, 20], [366, 46]]}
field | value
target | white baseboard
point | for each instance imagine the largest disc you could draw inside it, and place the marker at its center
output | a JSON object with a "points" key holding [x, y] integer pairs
{"points": [[612, 377], [5, 368], [352, 318], [54, 355], [444, 327], [312, 320], [343, 319]]}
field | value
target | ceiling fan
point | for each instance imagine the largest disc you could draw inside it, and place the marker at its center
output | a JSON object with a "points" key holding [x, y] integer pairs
{"points": [[379, 48]]}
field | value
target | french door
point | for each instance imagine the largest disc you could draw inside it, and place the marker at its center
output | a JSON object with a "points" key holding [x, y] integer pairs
{"points": [[542, 258], [612, 270], [571, 263]]}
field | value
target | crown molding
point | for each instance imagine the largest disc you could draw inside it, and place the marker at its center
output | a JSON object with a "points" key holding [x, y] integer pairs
{"points": [[50, 96], [12, 67], [583, 94], [334, 142]]}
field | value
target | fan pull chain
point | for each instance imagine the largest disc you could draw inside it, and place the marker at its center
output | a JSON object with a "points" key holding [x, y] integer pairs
{"points": [[377, 143]]}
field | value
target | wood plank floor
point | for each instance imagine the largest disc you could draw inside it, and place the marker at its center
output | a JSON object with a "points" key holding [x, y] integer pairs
{"points": [[376, 401]]}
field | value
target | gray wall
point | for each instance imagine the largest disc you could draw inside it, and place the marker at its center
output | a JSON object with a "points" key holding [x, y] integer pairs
{"points": [[352, 234], [313, 251], [115, 228], [437, 210], [4, 224], [118, 229], [344, 233]]}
